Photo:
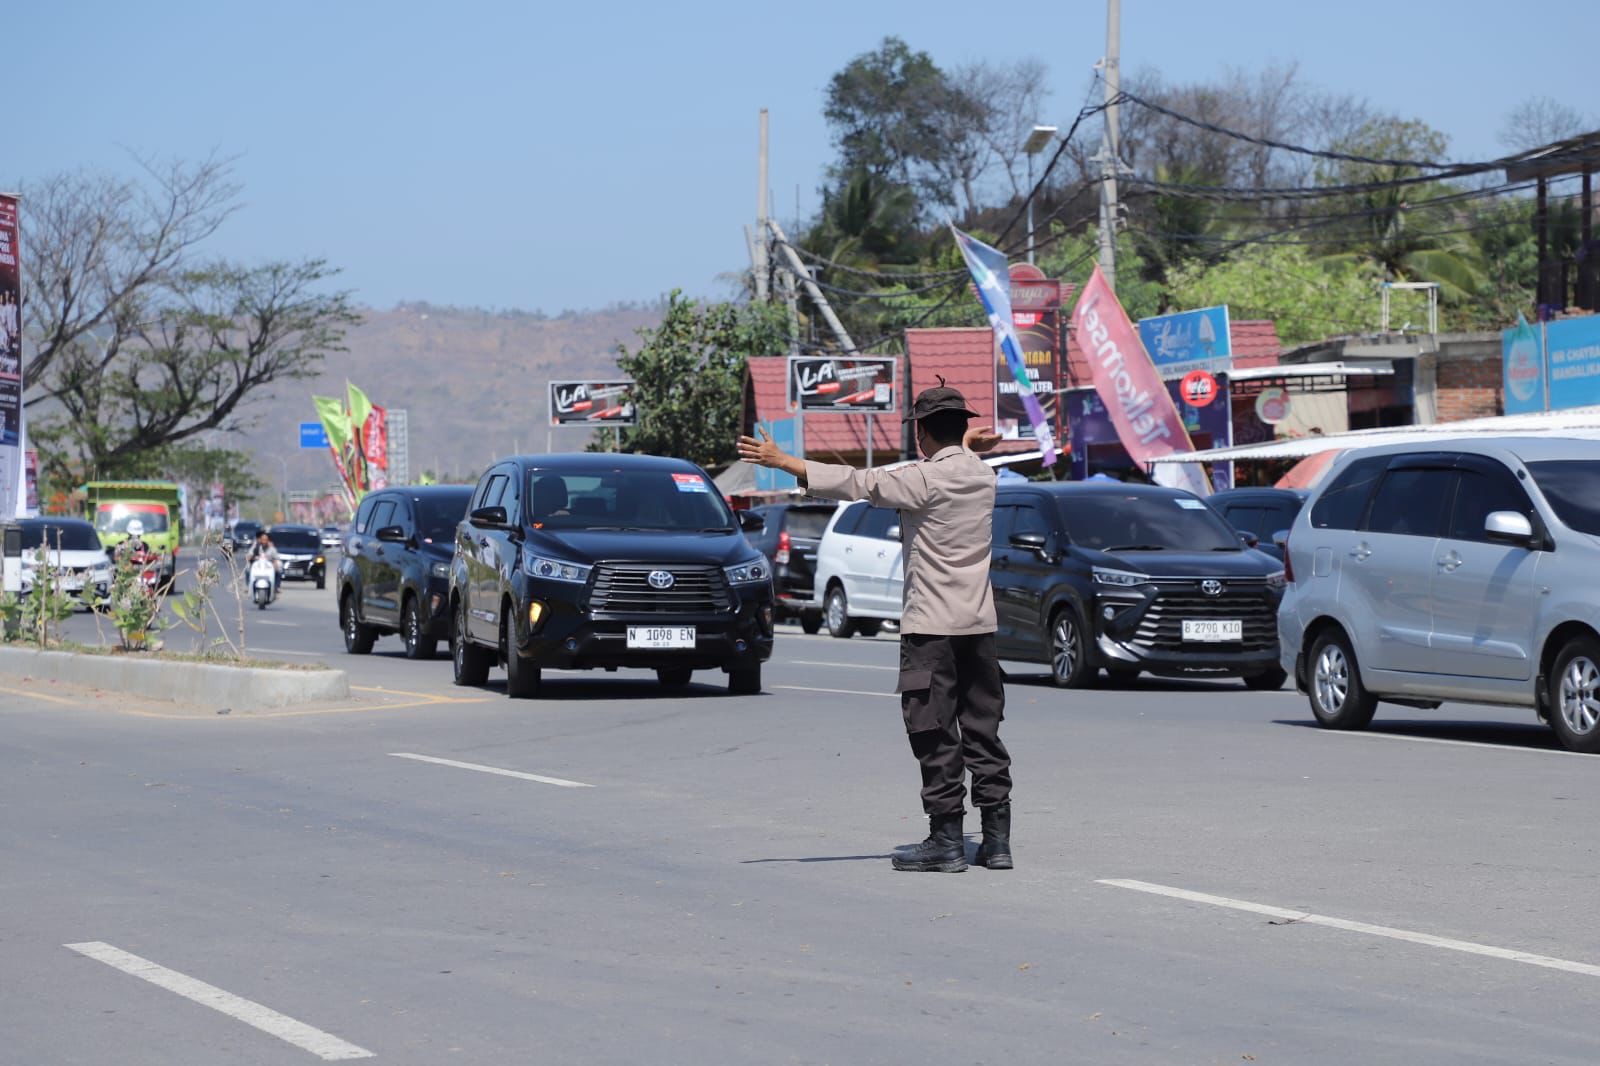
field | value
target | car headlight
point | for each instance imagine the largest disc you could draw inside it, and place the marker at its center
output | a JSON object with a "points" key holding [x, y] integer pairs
{"points": [[1277, 580], [1121, 579], [554, 569], [440, 571], [747, 573]]}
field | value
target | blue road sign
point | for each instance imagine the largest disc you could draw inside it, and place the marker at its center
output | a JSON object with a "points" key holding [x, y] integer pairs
{"points": [[785, 433], [312, 435]]}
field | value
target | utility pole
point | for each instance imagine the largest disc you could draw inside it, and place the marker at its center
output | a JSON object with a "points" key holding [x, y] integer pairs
{"points": [[803, 275], [1109, 148], [760, 246]]}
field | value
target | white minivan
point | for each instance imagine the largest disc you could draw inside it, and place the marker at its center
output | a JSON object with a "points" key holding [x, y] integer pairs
{"points": [[860, 577]]}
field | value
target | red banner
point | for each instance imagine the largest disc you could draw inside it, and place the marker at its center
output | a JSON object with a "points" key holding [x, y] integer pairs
{"points": [[1147, 421], [375, 446], [12, 475]]}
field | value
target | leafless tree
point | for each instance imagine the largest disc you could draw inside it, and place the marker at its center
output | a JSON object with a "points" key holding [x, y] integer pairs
{"points": [[1014, 98], [1541, 120]]}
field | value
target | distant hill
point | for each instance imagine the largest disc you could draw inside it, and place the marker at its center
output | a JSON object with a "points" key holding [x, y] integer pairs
{"points": [[472, 381]]}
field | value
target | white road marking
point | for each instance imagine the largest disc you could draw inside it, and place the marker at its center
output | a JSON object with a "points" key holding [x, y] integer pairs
{"points": [[286, 651], [838, 691], [851, 666], [1304, 918], [265, 622], [562, 782], [321, 1044], [1456, 743]]}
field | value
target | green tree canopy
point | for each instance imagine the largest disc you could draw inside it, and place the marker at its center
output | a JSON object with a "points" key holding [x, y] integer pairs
{"points": [[1307, 298]]}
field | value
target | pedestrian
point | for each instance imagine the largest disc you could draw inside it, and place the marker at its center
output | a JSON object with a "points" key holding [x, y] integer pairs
{"points": [[952, 695]]}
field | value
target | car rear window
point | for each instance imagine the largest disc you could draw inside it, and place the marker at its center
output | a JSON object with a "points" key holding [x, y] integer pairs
{"points": [[295, 539], [1573, 488], [72, 536], [807, 521], [438, 513]]}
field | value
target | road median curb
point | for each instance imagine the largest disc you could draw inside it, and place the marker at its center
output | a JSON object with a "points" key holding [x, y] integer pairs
{"points": [[206, 684]]}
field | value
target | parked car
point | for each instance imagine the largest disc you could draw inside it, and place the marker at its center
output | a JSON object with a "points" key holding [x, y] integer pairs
{"points": [[789, 539], [860, 578], [73, 551], [241, 535], [606, 561], [332, 538], [394, 573], [1263, 514], [1130, 578], [300, 553], [1451, 570]]}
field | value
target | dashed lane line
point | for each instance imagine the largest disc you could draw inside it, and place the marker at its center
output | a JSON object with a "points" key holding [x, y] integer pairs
{"points": [[1285, 916], [834, 691], [307, 1038], [560, 782], [1453, 743], [847, 666]]}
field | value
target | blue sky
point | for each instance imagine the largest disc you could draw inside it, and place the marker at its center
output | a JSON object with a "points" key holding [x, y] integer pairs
{"points": [[568, 156]]}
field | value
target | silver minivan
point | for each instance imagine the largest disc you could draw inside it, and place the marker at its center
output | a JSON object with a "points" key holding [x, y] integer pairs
{"points": [[1452, 569]]}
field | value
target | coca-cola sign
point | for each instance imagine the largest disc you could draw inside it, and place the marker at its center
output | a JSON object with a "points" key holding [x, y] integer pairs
{"points": [[841, 385]]}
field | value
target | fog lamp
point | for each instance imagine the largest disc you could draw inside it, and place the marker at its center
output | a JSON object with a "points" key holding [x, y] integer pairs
{"points": [[1109, 613], [535, 612]]}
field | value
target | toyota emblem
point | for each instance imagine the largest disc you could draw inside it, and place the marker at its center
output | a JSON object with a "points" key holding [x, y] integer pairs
{"points": [[1210, 586], [660, 579]]}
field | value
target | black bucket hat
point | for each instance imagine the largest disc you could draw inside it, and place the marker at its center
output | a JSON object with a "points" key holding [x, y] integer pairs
{"points": [[939, 398]]}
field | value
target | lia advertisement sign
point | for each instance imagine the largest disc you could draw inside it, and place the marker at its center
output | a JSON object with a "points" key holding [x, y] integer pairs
{"points": [[858, 385], [1188, 340], [592, 403]]}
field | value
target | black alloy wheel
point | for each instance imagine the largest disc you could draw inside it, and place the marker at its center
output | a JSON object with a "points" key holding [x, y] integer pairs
{"points": [[1069, 653], [746, 682], [418, 644], [674, 676], [811, 623], [1338, 698], [522, 677], [358, 638], [470, 661]]}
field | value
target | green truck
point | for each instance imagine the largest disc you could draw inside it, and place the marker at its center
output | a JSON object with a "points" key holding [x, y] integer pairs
{"points": [[157, 505]]}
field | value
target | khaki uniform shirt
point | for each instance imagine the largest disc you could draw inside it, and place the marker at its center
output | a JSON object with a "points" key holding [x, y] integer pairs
{"points": [[946, 507]]}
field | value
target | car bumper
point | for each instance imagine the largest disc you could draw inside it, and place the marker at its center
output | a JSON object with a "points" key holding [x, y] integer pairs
{"points": [[1215, 659]]}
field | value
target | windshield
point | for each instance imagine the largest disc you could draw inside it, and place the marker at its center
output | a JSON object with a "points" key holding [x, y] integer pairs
{"points": [[294, 540], [114, 517], [73, 536], [1108, 521], [807, 521], [1573, 488], [437, 515], [677, 500]]}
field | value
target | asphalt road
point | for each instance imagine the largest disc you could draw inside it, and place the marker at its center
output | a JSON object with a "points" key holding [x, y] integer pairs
{"points": [[719, 889]]}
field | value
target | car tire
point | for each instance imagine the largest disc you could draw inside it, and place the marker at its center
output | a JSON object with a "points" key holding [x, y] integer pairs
{"points": [[358, 638], [869, 627], [1070, 666], [322, 581], [1573, 695], [836, 613], [1267, 681], [417, 643], [470, 661], [674, 676], [522, 677], [1338, 698], [745, 682], [811, 623]]}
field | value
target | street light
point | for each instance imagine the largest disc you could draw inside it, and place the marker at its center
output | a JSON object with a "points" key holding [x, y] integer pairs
{"points": [[1037, 141]]}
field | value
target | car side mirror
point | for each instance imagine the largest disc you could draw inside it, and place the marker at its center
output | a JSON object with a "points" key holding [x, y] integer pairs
{"points": [[1509, 527], [492, 517], [1280, 540], [751, 522], [892, 533], [1249, 540], [1031, 542], [392, 534]]}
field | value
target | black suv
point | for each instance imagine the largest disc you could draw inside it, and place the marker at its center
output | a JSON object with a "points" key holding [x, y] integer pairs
{"points": [[394, 571], [604, 560], [1263, 513], [300, 553], [1130, 578], [788, 538]]}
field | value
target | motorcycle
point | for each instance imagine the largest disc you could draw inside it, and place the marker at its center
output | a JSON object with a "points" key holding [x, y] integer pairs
{"points": [[262, 579], [149, 565]]}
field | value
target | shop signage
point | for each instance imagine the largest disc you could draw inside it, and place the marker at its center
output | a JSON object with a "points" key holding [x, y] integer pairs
{"points": [[1273, 405], [1553, 372], [1199, 387], [592, 403], [834, 384], [1188, 340]]}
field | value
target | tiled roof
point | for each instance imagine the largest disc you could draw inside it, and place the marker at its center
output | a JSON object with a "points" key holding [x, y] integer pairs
{"points": [[826, 435], [965, 356]]}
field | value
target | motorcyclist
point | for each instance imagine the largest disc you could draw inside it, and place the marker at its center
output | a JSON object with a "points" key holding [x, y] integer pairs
{"points": [[264, 550], [135, 544]]}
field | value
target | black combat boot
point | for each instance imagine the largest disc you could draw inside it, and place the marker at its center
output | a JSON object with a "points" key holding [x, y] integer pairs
{"points": [[995, 851], [944, 852]]}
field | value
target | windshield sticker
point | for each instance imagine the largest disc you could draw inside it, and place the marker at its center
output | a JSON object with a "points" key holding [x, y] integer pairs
{"points": [[690, 483], [1191, 505]]}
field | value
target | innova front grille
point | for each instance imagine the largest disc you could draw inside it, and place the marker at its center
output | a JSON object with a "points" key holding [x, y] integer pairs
{"points": [[626, 589]]}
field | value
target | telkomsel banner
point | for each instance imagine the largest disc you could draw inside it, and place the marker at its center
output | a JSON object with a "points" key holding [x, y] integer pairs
{"points": [[11, 461], [858, 385], [592, 403]]}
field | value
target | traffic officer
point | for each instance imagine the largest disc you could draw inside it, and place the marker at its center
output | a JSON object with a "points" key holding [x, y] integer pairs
{"points": [[951, 691]]}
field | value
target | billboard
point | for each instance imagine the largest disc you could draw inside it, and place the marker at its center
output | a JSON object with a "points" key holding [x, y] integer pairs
{"points": [[592, 403], [1188, 340], [11, 460], [1036, 313], [862, 384], [1557, 371]]}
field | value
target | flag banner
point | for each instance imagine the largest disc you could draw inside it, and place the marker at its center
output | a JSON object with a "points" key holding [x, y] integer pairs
{"points": [[990, 274], [375, 447], [13, 476], [336, 424], [1141, 409], [360, 410]]}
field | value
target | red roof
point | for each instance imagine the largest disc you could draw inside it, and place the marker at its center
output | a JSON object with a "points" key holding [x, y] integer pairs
{"points": [[827, 436], [965, 357]]}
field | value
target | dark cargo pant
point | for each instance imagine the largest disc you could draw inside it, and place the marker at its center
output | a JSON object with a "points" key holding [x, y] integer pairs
{"points": [[953, 701]]}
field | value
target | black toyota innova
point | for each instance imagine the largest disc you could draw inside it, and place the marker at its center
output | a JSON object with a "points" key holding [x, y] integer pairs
{"points": [[604, 561]]}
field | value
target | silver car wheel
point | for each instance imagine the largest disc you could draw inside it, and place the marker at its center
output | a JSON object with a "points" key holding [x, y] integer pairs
{"points": [[836, 617], [1332, 679], [1580, 703], [1064, 656]]}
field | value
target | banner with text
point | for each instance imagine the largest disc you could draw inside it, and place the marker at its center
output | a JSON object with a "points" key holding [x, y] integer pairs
{"points": [[1189, 340], [848, 386], [1036, 313], [1136, 398], [1555, 372], [12, 475], [592, 403]]}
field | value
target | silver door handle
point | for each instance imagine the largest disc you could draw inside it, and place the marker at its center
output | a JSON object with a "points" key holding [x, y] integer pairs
{"points": [[1360, 553], [1450, 562], [882, 554], [848, 551]]}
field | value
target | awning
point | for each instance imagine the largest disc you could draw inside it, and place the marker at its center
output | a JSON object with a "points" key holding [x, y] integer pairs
{"points": [[1298, 371]]}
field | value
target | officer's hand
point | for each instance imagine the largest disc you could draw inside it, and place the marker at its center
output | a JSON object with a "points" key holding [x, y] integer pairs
{"points": [[761, 452], [980, 439]]}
